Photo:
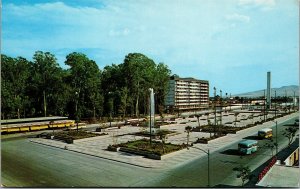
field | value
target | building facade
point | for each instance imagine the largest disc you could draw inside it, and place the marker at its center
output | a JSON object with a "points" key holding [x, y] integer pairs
{"points": [[187, 94]]}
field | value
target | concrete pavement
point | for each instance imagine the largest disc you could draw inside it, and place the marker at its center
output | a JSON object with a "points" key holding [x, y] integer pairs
{"points": [[96, 146]]}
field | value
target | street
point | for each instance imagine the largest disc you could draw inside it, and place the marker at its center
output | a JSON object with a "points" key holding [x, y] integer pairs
{"points": [[26, 164]]}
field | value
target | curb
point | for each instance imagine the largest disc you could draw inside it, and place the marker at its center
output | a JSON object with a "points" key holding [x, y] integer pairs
{"points": [[92, 155]]}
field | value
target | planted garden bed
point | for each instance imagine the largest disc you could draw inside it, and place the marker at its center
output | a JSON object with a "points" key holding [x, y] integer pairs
{"points": [[223, 129], [143, 147], [204, 140], [69, 136], [157, 134]]}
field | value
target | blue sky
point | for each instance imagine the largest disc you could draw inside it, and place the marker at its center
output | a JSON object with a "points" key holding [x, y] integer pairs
{"points": [[231, 43]]}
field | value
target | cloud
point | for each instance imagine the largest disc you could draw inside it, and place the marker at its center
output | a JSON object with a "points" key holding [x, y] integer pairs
{"points": [[262, 4], [194, 38], [238, 18]]}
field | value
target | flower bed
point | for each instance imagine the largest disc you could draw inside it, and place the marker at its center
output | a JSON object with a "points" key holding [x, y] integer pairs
{"points": [[69, 136], [162, 131], [204, 140], [143, 147]]}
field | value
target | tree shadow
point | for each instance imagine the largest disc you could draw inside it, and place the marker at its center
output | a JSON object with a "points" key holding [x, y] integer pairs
{"points": [[234, 152], [291, 125]]}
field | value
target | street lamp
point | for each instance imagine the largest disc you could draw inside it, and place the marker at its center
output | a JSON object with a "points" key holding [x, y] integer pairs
{"points": [[111, 106], [276, 136], [208, 170], [215, 110], [221, 107], [275, 105], [76, 109]]}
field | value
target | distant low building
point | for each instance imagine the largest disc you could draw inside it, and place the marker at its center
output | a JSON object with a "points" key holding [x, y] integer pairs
{"points": [[187, 94]]}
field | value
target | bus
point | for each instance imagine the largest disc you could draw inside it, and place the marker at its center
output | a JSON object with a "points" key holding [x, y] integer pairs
{"points": [[247, 146], [265, 133]]}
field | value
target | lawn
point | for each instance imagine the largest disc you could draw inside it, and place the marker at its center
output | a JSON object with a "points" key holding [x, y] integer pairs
{"points": [[156, 147], [69, 136]]}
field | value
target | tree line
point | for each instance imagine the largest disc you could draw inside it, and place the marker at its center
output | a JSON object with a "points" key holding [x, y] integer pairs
{"points": [[42, 88]]}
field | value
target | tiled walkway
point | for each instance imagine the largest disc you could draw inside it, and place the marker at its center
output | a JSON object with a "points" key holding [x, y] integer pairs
{"points": [[96, 146]]}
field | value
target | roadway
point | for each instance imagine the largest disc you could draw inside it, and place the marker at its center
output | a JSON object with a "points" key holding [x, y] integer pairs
{"points": [[222, 162], [24, 164]]}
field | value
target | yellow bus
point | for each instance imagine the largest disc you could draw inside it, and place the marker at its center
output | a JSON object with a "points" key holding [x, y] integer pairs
{"points": [[265, 133]]}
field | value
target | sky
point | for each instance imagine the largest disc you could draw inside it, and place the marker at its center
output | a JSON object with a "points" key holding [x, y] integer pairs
{"points": [[230, 43]]}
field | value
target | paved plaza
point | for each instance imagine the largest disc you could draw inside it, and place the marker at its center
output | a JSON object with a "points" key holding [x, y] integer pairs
{"points": [[96, 146]]}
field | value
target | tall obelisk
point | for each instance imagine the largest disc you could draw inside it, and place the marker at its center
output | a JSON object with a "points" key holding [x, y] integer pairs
{"points": [[268, 90]]}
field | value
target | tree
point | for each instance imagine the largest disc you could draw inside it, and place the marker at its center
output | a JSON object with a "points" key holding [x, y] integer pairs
{"points": [[161, 83], [139, 74], [290, 133], [198, 117], [85, 79], [46, 75], [113, 87], [271, 145], [235, 115], [188, 129], [163, 136], [14, 76], [244, 173], [209, 126], [251, 116]]}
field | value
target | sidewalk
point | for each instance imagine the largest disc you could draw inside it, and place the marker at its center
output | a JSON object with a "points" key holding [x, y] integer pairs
{"points": [[96, 146]]}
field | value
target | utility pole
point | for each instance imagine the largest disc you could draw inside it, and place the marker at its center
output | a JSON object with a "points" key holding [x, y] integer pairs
{"points": [[230, 101], [275, 104], [208, 164], [221, 102], [76, 109], [215, 111]]}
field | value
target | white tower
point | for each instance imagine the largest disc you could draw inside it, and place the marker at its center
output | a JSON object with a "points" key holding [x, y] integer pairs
{"points": [[151, 111]]}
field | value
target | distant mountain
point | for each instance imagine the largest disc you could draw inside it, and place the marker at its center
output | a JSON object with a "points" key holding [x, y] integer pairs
{"points": [[279, 92]]}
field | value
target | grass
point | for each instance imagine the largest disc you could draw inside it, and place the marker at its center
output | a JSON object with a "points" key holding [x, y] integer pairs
{"points": [[161, 131], [156, 147], [69, 136]]}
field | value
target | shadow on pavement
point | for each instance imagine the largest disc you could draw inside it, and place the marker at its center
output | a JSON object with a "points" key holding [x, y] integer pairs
{"points": [[234, 152], [253, 138]]}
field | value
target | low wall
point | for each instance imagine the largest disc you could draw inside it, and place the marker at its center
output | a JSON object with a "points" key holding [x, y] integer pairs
{"points": [[139, 152]]}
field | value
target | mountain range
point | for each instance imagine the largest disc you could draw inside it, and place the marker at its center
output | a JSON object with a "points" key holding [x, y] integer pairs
{"points": [[282, 91]]}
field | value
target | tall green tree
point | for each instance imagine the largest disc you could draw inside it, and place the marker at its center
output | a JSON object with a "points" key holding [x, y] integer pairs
{"points": [[161, 80], [46, 79], [14, 76], [140, 74], [85, 80]]}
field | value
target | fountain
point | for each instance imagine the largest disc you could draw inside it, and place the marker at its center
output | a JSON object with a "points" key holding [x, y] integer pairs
{"points": [[151, 112]]}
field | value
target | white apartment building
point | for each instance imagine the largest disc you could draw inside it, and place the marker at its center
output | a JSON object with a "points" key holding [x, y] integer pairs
{"points": [[187, 94]]}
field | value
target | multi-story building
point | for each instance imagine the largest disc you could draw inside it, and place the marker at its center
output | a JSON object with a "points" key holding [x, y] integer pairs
{"points": [[187, 94]]}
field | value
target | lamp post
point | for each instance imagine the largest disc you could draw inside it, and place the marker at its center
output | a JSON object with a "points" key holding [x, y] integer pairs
{"points": [[208, 165], [275, 104], [230, 102], [215, 111], [221, 103], [76, 109], [111, 105], [276, 136]]}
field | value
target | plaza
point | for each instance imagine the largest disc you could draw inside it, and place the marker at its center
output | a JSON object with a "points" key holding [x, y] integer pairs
{"points": [[97, 146]]}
